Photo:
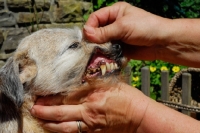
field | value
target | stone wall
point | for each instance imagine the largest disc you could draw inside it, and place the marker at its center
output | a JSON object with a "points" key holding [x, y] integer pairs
{"points": [[19, 18]]}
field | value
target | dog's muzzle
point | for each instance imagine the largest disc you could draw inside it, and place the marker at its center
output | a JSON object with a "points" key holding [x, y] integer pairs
{"points": [[117, 51], [104, 62]]}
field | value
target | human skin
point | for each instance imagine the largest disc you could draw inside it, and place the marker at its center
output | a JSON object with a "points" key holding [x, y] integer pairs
{"points": [[121, 108], [117, 109], [150, 37]]}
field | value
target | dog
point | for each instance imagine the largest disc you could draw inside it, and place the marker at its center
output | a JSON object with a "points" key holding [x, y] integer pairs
{"points": [[49, 62]]}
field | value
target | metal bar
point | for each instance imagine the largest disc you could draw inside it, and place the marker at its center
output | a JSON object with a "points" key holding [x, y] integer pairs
{"points": [[186, 90], [127, 74], [165, 85], [145, 80]]}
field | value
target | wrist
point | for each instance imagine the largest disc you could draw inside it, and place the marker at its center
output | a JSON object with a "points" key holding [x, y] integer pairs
{"points": [[163, 36], [137, 108]]}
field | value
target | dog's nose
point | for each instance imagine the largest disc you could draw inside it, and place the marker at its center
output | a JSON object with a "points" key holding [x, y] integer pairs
{"points": [[117, 49]]}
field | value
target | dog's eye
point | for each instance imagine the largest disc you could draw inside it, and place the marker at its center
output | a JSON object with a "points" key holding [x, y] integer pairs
{"points": [[74, 45]]}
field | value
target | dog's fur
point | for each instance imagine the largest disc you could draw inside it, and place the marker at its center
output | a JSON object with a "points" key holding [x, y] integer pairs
{"points": [[50, 61]]}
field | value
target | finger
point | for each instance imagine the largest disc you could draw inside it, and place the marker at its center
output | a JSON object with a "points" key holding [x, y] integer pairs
{"points": [[57, 113], [50, 100], [103, 16], [107, 15], [65, 127], [103, 34]]}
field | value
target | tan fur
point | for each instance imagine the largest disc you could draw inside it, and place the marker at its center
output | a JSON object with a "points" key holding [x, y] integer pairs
{"points": [[48, 66]]}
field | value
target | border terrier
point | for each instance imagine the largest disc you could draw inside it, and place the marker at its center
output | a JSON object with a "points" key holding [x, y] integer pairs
{"points": [[50, 62]]}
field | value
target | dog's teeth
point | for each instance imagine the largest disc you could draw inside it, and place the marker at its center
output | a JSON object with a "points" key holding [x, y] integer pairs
{"points": [[94, 70], [111, 66], [115, 66], [103, 69], [87, 75], [107, 66], [90, 72]]}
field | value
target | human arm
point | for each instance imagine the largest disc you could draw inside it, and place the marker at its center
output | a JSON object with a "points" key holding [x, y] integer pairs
{"points": [[150, 37], [119, 109]]}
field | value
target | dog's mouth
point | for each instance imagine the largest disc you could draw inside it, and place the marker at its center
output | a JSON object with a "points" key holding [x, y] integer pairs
{"points": [[102, 64]]}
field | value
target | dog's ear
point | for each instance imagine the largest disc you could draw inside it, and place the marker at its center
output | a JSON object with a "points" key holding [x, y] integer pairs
{"points": [[11, 91], [17, 71], [27, 67]]}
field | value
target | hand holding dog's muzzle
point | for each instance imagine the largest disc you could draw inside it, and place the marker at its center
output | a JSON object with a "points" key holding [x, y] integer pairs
{"points": [[102, 110]]}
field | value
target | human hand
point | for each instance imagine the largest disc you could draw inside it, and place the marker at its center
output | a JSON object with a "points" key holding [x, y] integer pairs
{"points": [[124, 22], [128, 24], [104, 110]]}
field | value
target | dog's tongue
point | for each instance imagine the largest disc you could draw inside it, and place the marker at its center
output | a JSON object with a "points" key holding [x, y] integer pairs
{"points": [[97, 60]]}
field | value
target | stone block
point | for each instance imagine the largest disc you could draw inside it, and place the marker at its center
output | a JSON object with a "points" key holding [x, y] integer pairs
{"points": [[26, 17], [7, 18], [4, 56], [1, 38], [69, 11], [12, 37], [1, 63], [40, 4]]}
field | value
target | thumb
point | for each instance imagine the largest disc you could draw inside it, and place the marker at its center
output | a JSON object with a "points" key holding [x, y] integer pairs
{"points": [[102, 34]]}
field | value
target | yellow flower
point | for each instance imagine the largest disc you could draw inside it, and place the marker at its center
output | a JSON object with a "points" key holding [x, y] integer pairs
{"points": [[176, 69], [134, 85], [152, 69], [163, 68], [135, 78]]}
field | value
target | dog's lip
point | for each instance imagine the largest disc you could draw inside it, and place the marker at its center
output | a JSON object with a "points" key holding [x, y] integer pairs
{"points": [[98, 59], [100, 64]]}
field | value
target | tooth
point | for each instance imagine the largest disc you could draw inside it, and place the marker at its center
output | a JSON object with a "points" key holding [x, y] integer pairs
{"points": [[103, 69], [107, 66], [111, 66], [90, 72], [94, 70], [116, 66]]}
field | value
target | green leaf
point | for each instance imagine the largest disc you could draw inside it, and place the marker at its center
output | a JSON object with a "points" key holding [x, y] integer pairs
{"points": [[153, 96]]}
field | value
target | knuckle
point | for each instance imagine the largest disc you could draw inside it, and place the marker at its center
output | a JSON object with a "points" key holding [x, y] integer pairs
{"points": [[93, 20], [121, 23], [93, 15], [66, 129], [59, 115], [95, 121], [103, 32]]}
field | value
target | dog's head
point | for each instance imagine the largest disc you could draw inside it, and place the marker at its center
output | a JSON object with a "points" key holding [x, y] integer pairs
{"points": [[52, 61], [58, 60]]}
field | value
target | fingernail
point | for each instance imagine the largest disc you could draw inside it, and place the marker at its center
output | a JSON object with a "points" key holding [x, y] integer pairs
{"points": [[89, 29]]}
